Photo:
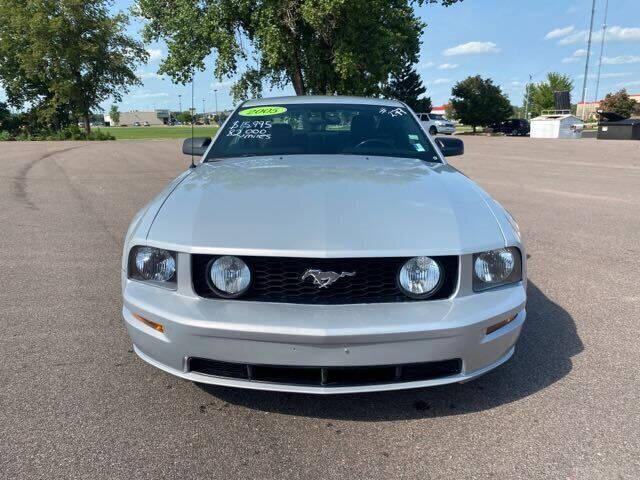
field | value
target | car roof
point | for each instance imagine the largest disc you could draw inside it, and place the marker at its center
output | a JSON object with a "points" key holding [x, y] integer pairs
{"points": [[335, 99]]}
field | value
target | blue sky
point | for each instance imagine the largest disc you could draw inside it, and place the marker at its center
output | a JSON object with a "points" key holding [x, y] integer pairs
{"points": [[506, 40]]}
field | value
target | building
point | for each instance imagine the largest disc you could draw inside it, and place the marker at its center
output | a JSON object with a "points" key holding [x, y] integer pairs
{"points": [[587, 110], [440, 109], [153, 117]]}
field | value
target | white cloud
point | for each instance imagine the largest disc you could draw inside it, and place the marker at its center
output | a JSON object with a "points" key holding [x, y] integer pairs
{"points": [[615, 33], [448, 66], [440, 81], [145, 75], [606, 75], [154, 54], [471, 48], [614, 75], [581, 52], [559, 32], [623, 34], [221, 85], [143, 94], [424, 65], [632, 83], [621, 60]]}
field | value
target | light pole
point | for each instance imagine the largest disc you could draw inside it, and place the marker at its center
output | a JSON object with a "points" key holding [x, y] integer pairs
{"points": [[586, 63], [604, 33], [215, 94], [179, 103], [526, 99]]}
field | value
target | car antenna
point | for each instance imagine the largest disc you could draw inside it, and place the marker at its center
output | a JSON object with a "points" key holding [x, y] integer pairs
{"points": [[193, 165]]}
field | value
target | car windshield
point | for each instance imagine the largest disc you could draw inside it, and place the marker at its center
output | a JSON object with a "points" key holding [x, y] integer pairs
{"points": [[323, 129], [436, 116]]}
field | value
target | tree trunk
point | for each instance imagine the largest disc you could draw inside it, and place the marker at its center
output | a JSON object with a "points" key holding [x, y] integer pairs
{"points": [[474, 128], [87, 123], [297, 80]]}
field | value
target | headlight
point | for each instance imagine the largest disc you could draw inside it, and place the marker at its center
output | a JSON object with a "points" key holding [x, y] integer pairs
{"points": [[439, 123], [420, 277], [229, 276], [496, 267], [153, 265]]}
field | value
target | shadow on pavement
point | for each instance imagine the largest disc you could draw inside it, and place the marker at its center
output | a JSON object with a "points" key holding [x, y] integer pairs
{"points": [[543, 356]]}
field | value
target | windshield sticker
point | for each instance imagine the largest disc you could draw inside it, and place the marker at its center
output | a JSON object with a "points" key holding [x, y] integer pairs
{"points": [[394, 112], [260, 129], [262, 111], [414, 137], [418, 147]]}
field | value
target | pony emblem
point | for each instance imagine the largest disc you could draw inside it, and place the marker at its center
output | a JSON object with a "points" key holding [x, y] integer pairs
{"points": [[324, 279]]}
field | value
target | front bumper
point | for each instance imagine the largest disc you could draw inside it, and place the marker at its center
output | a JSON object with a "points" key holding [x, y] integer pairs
{"points": [[322, 335], [445, 129]]}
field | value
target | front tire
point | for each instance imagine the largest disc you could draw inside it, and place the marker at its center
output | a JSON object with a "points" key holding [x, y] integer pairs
{"points": [[433, 131]]}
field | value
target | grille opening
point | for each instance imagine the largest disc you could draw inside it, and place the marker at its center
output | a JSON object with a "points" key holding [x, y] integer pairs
{"points": [[279, 279], [293, 375], [360, 375], [328, 376], [420, 371], [218, 369]]}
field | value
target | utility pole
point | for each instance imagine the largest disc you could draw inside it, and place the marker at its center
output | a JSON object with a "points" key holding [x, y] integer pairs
{"points": [[526, 100], [604, 33], [586, 63], [203, 111], [179, 103]]}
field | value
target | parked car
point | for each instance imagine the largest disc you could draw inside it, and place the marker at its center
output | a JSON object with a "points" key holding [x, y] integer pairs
{"points": [[323, 245], [146, 124], [513, 126], [435, 123], [136, 124]]}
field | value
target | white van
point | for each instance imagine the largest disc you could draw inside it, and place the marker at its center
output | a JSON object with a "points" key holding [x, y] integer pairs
{"points": [[435, 123]]}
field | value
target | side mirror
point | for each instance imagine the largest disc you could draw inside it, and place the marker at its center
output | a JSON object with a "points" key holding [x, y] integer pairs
{"points": [[450, 147], [196, 146]]}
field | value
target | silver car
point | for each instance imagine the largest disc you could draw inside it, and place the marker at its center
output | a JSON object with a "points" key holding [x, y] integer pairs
{"points": [[323, 245]]}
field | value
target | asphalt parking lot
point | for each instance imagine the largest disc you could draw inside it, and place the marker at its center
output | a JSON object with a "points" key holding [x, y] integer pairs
{"points": [[75, 401]]}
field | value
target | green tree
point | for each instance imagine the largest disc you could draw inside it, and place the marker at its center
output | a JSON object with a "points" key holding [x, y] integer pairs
{"points": [[114, 113], [619, 102], [220, 117], [184, 117], [476, 101], [5, 114], [64, 57], [541, 94], [407, 87], [319, 47]]}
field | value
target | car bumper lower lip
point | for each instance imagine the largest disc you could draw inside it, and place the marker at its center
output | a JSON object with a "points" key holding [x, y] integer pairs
{"points": [[323, 335]]}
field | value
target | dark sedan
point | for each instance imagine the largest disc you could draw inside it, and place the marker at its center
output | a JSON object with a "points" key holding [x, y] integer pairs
{"points": [[513, 126]]}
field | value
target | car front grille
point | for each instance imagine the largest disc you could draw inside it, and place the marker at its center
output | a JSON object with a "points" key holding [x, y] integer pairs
{"points": [[279, 279], [327, 376]]}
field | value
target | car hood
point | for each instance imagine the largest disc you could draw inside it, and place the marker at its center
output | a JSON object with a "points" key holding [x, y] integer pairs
{"points": [[326, 206]]}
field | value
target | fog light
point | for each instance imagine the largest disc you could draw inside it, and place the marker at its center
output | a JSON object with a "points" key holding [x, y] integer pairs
{"points": [[499, 325], [156, 326]]}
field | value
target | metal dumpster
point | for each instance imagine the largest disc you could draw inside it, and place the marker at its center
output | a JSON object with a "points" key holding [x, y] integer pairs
{"points": [[615, 127]]}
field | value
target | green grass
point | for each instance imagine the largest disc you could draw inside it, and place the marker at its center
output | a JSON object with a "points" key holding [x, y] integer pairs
{"points": [[139, 133]]}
